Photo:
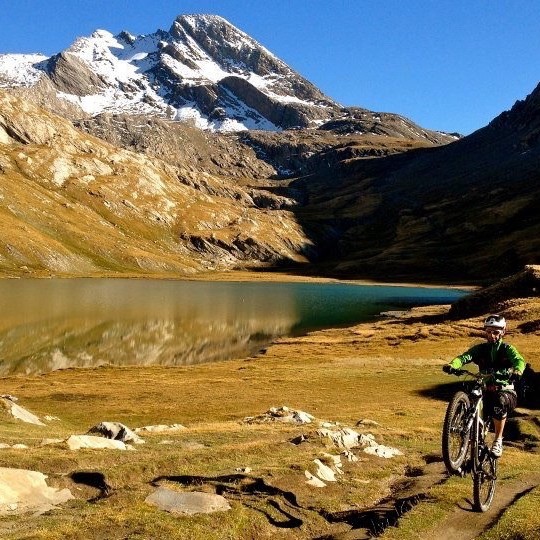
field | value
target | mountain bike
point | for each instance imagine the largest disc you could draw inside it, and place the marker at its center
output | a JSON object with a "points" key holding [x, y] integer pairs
{"points": [[464, 446]]}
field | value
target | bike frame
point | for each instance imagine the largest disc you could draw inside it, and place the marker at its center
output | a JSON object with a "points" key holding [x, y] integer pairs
{"points": [[477, 429]]}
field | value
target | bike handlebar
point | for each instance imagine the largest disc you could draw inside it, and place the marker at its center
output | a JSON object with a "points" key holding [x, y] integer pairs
{"points": [[478, 376]]}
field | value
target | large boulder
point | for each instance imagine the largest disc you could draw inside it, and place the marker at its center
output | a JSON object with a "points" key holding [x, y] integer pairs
{"points": [[8, 404], [23, 491], [116, 431], [76, 442]]}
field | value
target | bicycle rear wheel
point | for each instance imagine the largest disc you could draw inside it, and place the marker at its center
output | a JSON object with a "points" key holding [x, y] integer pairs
{"points": [[484, 482], [455, 436]]}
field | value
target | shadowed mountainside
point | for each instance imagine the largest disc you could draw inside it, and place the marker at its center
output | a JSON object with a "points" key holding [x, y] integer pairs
{"points": [[465, 210]]}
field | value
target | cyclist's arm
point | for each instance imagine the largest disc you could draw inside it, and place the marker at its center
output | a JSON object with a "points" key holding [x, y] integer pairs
{"points": [[465, 358], [515, 357], [505, 375]]}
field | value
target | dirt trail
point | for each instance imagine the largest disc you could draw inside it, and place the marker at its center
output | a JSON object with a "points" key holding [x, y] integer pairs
{"points": [[466, 524]]}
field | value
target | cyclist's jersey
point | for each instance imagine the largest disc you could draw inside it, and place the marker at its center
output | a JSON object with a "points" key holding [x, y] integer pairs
{"points": [[497, 358]]}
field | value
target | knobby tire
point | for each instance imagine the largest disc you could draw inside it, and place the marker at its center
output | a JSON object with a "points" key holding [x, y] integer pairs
{"points": [[455, 440], [484, 483]]}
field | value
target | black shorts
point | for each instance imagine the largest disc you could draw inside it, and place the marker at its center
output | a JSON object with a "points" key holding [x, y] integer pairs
{"points": [[499, 403]]}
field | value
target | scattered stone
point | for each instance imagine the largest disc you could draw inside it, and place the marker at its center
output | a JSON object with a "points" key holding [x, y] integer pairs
{"points": [[380, 450], [116, 431], [365, 422], [190, 503], [8, 402], [347, 438], [299, 440], [342, 438], [17, 446], [329, 425], [160, 428], [243, 470], [281, 414], [76, 442], [23, 491], [50, 418], [335, 460], [313, 480], [349, 456], [324, 472]]}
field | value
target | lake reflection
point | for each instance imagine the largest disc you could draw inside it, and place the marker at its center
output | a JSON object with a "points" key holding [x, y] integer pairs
{"points": [[53, 324]]}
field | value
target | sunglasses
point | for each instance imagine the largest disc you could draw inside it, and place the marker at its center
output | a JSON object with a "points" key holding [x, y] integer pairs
{"points": [[492, 331]]}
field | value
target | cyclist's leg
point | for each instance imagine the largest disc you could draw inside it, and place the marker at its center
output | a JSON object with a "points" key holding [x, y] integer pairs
{"points": [[499, 427], [502, 403]]}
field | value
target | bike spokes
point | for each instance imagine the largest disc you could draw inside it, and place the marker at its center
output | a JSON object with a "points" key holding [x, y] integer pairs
{"points": [[455, 439], [459, 435], [484, 480]]}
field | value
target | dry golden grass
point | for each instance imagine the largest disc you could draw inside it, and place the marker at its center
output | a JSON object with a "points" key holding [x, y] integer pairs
{"points": [[388, 372]]}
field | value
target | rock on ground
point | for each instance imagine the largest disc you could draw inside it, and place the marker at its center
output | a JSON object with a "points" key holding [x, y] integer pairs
{"points": [[23, 491], [8, 402], [192, 502], [116, 431], [76, 442], [281, 414]]}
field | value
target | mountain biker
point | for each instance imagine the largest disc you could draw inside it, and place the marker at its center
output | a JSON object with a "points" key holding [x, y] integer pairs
{"points": [[505, 364]]}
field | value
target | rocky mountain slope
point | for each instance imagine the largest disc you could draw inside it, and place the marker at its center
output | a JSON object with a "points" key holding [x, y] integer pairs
{"points": [[254, 155], [73, 204], [202, 70], [79, 205], [358, 193], [187, 200]]}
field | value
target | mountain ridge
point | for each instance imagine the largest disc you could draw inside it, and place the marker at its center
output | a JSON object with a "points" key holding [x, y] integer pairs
{"points": [[202, 70], [466, 210]]}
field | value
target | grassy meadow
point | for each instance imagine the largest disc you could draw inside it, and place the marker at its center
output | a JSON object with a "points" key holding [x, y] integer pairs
{"points": [[388, 372]]}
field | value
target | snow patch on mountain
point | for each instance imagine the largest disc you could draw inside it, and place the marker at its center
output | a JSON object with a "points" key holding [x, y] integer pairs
{"points": [[20, 69], [191, 72]]}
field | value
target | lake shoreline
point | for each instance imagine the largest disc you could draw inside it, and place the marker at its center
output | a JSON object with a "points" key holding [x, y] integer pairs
{"points": [[247, 276]]}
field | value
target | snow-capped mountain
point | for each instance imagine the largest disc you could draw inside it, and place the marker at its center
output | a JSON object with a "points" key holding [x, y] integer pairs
{"points": [[203, 69]]}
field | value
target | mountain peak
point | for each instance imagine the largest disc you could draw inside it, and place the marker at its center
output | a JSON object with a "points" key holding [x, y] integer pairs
{"points": [[217, 25], [203, 69], [196, 19]]}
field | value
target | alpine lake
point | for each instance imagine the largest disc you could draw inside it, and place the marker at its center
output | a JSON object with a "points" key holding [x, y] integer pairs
{"points": [[51, 324]]}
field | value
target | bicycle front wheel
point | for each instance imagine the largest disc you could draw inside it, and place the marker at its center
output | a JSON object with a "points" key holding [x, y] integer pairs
{"points": [[455, 435], [484, 481]]}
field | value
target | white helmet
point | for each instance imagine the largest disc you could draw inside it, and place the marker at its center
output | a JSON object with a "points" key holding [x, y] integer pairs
{"points": [[495, 321]]}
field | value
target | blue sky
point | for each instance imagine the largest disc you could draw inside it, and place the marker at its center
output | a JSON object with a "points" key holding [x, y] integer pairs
{"points": [[450, 65]]}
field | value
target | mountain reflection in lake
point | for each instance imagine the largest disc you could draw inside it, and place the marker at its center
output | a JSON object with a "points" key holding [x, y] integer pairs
{"points": [[53, 324]]}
